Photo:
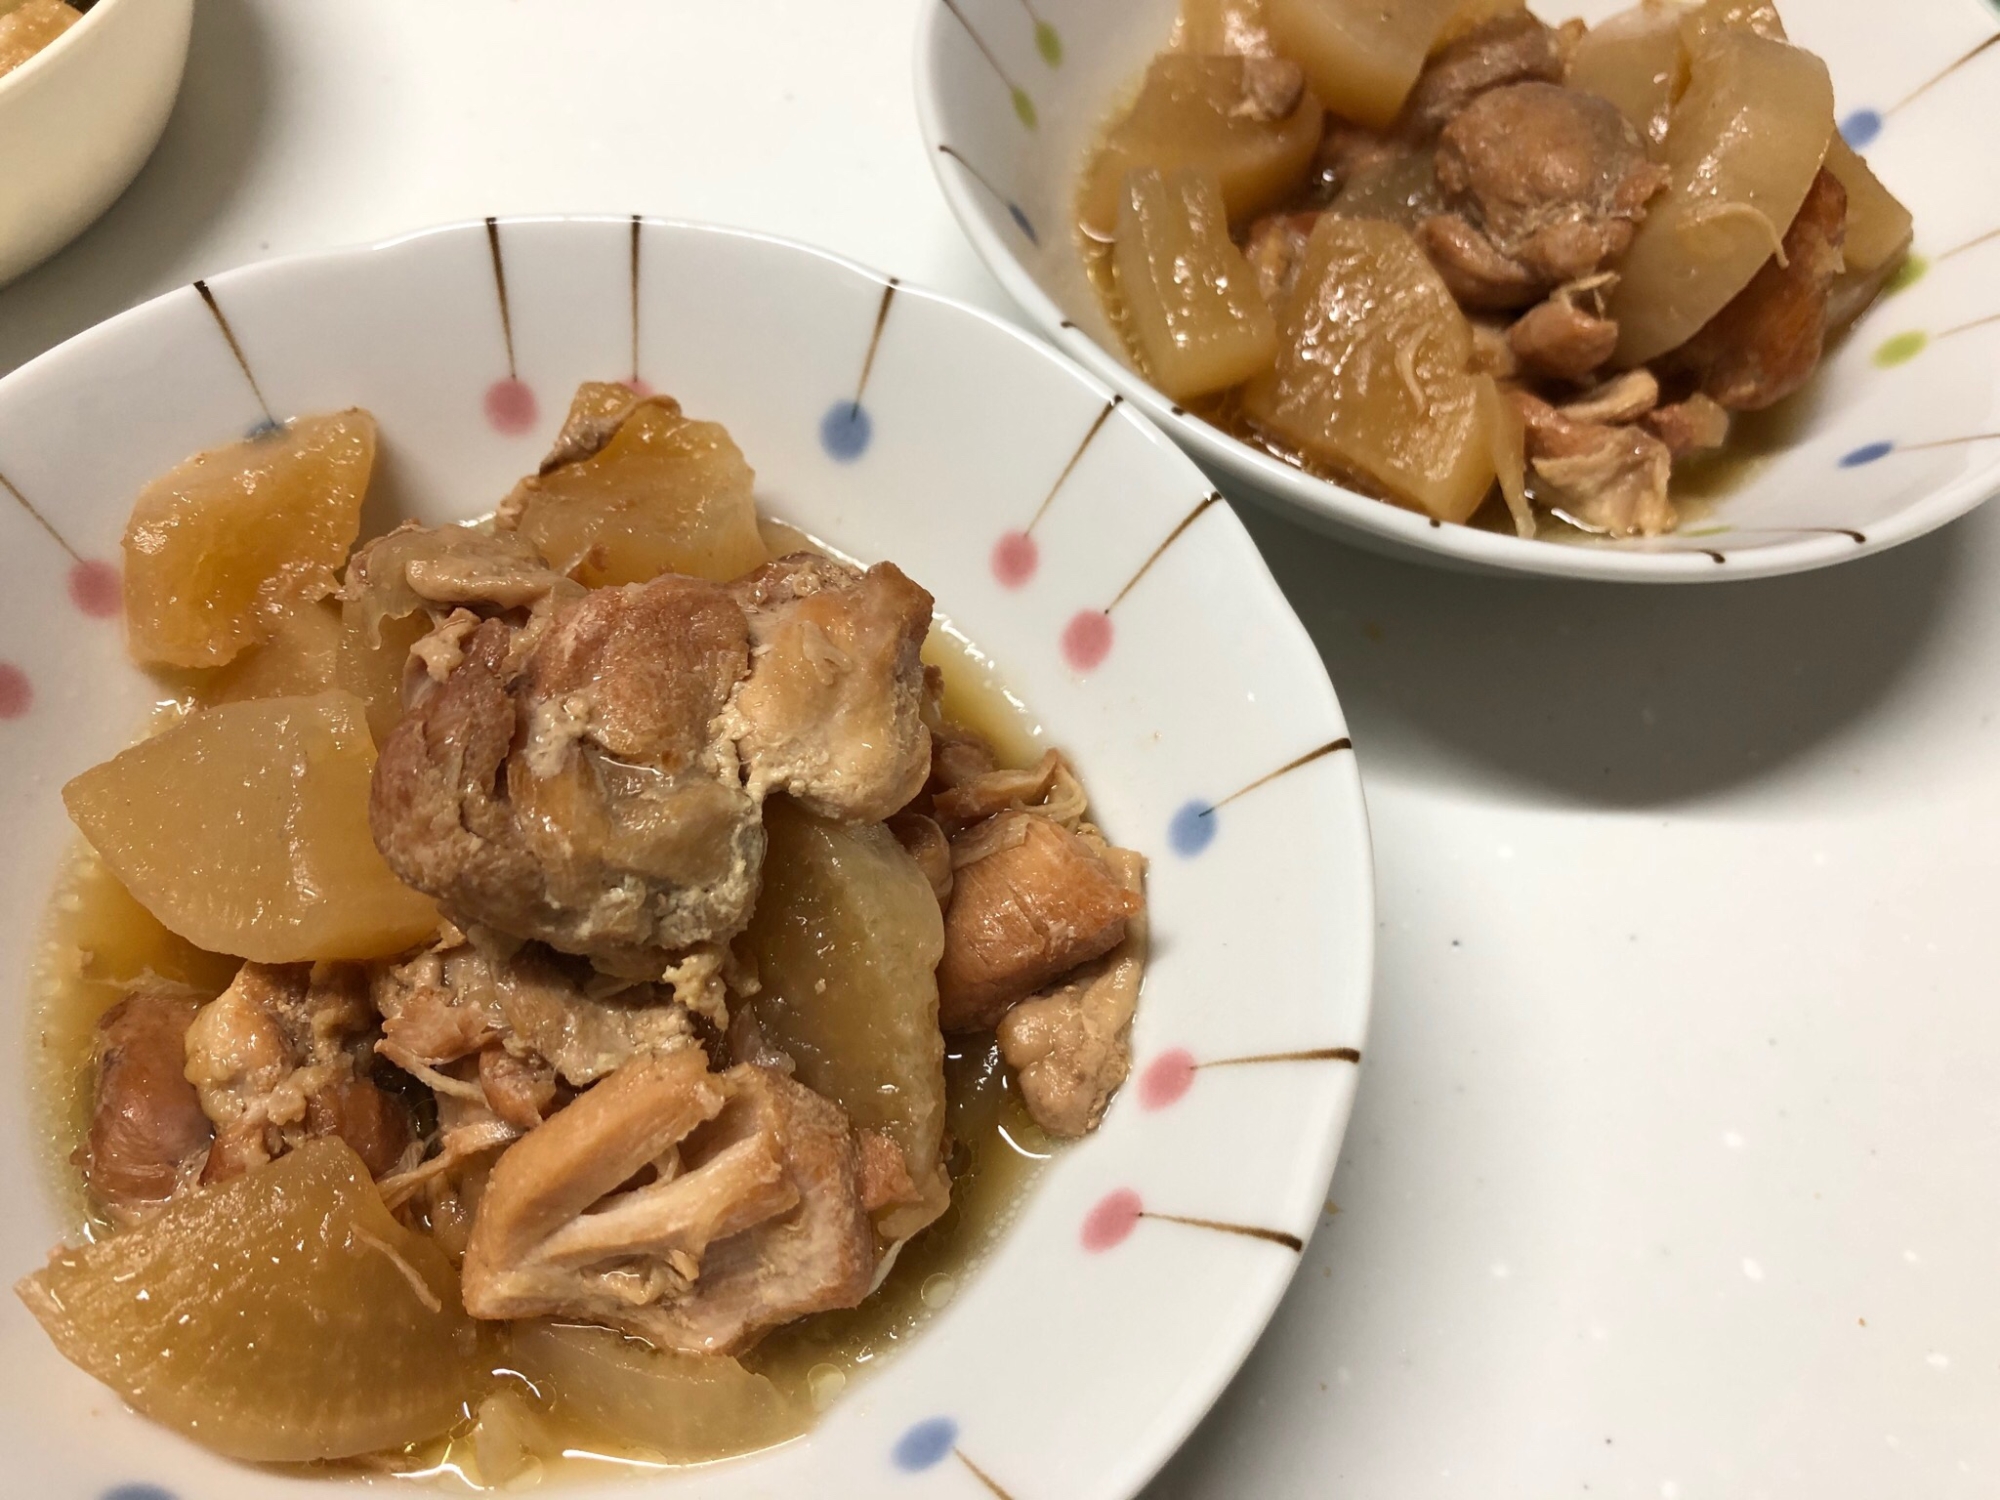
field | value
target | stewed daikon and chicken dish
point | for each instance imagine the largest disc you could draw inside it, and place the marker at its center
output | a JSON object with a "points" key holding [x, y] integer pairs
{"points": [[585, 982], [1486, 268]]}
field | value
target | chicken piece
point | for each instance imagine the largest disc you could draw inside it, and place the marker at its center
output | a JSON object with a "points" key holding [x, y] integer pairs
{"points": [[1696, 425], [1272, 89], [832, 709], [437, 569], [1070, 1047], [1275, 248], [928, 846], [1546, 184], [518, 1090], [1048, 787], [1509, 49], [1031, 900], [957, 756], [753, 1216], [1766, 342], [147, 1130], [277, 1059], [577, 796], [550, 1014], [1562, 338], [1611, 480], [1348, 151], [885, 1172], [1623, 398]]}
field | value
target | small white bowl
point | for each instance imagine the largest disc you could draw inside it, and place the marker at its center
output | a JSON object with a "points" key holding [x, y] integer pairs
{"points": [[1059, 530], [1900, 434], [80, 117]]}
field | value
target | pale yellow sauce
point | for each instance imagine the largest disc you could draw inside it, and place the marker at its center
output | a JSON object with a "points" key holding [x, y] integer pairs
{"points": [[97, 940]]}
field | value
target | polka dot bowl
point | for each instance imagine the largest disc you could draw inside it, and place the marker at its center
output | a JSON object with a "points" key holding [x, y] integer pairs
{"points": [[1900, 433], [1060, 531]]}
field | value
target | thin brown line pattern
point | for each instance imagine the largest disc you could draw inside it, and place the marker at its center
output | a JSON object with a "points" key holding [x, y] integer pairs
{"points": [[1329, 748], [875, 338], [1249, 1231], [993, 62], [1096, 426], [1972, 244], [1965, 327], [500, 286], [1160, 551], [1930, 83], [981, 1475], [39, 519], [1950, 442], [635, 299], [1310, 1054], [229, 336]]}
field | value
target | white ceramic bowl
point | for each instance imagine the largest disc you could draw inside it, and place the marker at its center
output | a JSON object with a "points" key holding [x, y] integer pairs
{"points": [[1062, 532], [1899, 435], [80, 117]]}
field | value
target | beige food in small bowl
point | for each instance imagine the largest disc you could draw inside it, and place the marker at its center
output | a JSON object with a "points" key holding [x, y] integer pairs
{"points": [[85, 91]]}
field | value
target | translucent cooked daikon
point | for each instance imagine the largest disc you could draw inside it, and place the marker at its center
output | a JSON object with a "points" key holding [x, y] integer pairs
{"points": [[1217, 28], [1374, 373], [688, 1408], [244, 828], [847, 936], [301, 656], [1637, 59], [1878, 235], [663, 494], [283, 1316], [1191, 301], [1360, 56], [1207, 113], [1743, 145], [215, 548]]}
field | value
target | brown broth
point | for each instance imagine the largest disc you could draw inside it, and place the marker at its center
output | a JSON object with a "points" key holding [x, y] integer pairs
{"points": [[97, 940]]}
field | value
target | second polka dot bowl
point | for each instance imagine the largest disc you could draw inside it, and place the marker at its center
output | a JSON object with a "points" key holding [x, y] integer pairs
{"points": [[1058, 530], [1900, 434]]}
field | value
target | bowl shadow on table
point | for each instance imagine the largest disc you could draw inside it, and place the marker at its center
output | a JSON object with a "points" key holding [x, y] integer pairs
{"points": [[1597, 694], [204, 156]]}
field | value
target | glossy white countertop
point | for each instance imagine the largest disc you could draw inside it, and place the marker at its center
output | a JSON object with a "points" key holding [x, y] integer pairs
{"points": [[1676, 1165]]}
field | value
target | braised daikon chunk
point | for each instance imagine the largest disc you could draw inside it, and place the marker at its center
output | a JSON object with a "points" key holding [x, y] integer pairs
{"points": [[1374, 375], [283, 1316], [658, 493], [1877, 238], [301, 656], [689, 1408], [847, 938], [1360, 56], [1744, 143], [1191, 299], [1249, 121], [244, 828], [1637, 60], [1217, 28], [216, 547]]}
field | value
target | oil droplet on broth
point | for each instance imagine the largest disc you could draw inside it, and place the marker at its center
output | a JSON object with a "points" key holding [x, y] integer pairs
{"points": [[938, 1290]]}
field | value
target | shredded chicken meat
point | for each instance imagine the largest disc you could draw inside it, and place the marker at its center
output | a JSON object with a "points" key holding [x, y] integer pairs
{"points": [[280, 1057], [750, 1215]]}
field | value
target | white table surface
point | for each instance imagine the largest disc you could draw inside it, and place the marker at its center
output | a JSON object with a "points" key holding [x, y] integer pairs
{"points": [[1676, 1166]]}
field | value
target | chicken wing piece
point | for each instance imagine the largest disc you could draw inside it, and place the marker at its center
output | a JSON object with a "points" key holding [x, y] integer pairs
{"points": [[832, 709], [1071, 1047], [147, 1130], [1030, 901], [577, 796], [753, 1216]]}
